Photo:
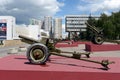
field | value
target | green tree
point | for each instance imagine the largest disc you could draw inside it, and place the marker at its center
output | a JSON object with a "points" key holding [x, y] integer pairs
{"points": [[111, 25], [109, 30]]}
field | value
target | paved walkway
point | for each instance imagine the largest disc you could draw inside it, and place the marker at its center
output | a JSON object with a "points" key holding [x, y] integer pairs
{"points": [[81, 48]]}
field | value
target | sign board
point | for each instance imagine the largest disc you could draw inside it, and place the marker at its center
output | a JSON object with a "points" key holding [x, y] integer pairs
{"points": [[75, 23], [3, 29]]}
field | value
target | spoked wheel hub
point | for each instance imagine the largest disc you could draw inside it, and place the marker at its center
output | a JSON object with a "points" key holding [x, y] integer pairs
{"points": [[37, 54], [98, 39]]}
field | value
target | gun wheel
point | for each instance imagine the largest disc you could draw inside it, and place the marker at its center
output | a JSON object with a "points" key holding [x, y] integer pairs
{"points": [[37, 54], [98, 40]]}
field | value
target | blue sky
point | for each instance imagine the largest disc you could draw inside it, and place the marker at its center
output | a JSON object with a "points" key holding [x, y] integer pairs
{"points": [[86, 7], [23, 10], [70, 7]]}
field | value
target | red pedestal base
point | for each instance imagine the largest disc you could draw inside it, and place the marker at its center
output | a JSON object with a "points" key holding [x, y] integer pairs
{"points": [[103, 47], [66, 45], [18, 68], [70, 44]]}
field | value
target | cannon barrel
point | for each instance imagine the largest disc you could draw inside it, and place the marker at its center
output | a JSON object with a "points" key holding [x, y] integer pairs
{"points": [[93, 28], [30, 40]]}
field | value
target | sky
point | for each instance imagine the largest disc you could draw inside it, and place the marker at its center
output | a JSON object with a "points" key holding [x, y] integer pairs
{"points": [[24, 10]]}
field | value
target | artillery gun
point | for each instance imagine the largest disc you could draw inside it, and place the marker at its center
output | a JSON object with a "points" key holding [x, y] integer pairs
{"points": [[39, 52], [98, 37]]}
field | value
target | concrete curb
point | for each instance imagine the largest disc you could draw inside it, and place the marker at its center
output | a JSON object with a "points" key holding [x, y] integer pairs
{"points": [[13, 51]]}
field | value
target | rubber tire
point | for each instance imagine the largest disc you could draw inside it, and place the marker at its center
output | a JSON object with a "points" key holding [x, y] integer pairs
{"points": [[41, 47], [96, 41]]}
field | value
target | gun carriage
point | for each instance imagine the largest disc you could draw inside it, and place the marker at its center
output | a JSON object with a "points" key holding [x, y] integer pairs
{"points": [[40, 51]]}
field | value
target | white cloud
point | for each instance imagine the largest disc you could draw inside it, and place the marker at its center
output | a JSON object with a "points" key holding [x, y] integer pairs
{"points": [[4, 2], [107, 13], [100, 5], [25, 9]]}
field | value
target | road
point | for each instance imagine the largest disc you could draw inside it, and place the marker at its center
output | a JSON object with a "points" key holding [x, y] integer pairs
{"points": [[5, 50]]}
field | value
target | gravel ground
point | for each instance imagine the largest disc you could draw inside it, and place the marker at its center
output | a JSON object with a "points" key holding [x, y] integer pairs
{"points": [[8, 50], [81, 48]]}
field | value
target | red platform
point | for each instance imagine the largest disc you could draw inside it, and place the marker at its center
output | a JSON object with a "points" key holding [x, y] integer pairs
{"points": [[66, 44], [58, 45], [70, 44], [103, 47], [16, 67]]}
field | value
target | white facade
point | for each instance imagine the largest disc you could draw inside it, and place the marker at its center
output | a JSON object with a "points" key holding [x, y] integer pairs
{"points": [[32, 31], [10, 31], [58, 28], [9, 22]]}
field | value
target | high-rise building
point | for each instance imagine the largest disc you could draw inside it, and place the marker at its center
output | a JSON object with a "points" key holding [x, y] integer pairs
{"points": [[47, 23], [36, 22], [58, 28]]}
